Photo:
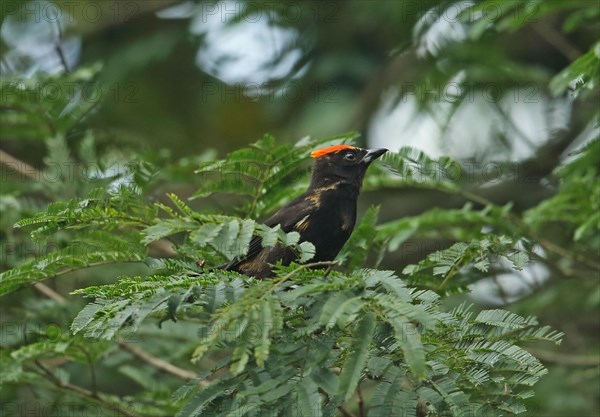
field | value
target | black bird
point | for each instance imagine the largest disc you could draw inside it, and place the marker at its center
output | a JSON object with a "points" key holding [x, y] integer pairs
{"points": [[324, 215]]}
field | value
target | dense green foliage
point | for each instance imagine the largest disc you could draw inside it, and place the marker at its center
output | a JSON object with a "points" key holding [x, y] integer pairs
{"points": [[306, 339], [111, 305]]}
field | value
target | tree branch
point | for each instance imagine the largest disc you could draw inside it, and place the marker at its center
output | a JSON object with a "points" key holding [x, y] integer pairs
{"points": [[19, 166], [361, 402], [557, 40], [134, 350], [85, 393], [546, 244], [159, 363], [49, 292]]}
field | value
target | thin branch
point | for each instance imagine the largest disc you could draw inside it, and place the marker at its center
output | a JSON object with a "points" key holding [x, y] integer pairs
{"points": [[58, 46], [76, 268], [63, 59], [85, 393], [19, 166], [92, 369], [134, 350], [300, 268], [159, 363], [511, 122], [49, 292], [59, 50], [328, 270], [550, 246], [361, 402], [557, 40]]}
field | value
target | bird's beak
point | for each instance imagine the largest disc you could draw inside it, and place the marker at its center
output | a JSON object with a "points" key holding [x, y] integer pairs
{"points": [[373, 154]]}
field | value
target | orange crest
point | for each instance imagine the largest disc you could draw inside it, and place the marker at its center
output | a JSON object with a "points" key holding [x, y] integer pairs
{"points": [[330, 149]]}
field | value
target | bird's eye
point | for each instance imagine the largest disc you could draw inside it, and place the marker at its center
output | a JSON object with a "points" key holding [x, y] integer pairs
{"points": [[349, 156]]}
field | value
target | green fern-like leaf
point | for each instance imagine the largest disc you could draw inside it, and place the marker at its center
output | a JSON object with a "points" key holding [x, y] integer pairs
{"points": [[354, 366]]}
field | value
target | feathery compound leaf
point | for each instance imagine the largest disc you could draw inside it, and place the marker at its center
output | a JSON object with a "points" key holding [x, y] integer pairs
{"points": [[325, 379], [340, 309], [501, 318], [413, 167], [230, 239], [493, 353], [99, 210], [387, 280], [542, 333], [582, 74], [130, 301], [12, 370], [453, 397], [245, 332], [66, 260], [198, 404], [451, 262], [85, 316], [309, 399], [359, 354], [302, 340], [410, 342], [408, 338], [167, 227], [389, 398], [268, 324], [250, 323]]}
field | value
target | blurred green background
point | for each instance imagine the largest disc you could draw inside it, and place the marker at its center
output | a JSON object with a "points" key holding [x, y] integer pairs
{"points": [[183, 81]]}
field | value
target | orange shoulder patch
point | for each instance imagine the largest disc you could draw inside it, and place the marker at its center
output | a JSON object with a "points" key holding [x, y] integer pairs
{"points": [[330, 149]]}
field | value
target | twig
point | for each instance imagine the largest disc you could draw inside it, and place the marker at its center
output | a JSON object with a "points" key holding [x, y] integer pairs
{"points": [[58, 47], [361, 402], [82, 392], [300, 268], [451, 272], [552, 247], [49, 292], [500, 288], [19, 166], [556, 39], [511, 122], [134, 350], [92, 370], [63, 59], [159, 363], [329, 269]]}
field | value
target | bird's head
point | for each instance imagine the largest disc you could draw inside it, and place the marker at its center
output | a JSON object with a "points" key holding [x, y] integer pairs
{"points": [[342, 164]]}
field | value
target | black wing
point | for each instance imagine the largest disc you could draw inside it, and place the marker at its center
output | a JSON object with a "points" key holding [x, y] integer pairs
{"points": [[287, 217]]}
